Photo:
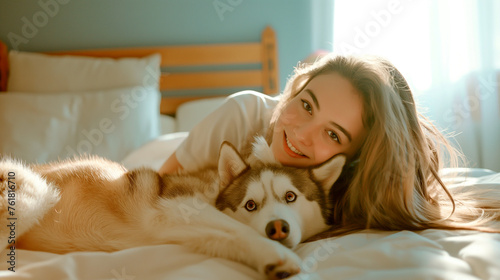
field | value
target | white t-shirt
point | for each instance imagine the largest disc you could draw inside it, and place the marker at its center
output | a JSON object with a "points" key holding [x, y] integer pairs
{"points": [[238, 120]]}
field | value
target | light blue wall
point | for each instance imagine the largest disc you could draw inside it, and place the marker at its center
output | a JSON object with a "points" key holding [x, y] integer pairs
{"points": [[46, 25]]}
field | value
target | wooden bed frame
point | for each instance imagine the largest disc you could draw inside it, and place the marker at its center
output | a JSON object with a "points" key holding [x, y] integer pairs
{"points": [[263, 54]]}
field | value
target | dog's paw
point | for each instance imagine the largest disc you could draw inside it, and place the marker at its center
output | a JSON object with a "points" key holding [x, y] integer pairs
{"points": [[281, 263]]}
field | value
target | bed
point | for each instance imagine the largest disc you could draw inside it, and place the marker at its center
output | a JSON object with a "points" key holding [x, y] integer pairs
{"points": [[136, 106]]}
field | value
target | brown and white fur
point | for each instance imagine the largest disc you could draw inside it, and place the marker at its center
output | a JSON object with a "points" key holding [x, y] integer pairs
{"points": [[92, 204]]}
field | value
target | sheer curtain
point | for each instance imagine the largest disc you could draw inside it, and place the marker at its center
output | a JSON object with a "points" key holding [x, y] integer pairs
{"points": [[449, 51]]}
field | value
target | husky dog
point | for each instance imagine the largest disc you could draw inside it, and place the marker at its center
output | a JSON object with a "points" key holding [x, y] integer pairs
{"points": [[252, 211]]}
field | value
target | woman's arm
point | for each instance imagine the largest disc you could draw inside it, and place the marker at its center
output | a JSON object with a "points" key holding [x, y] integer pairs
{"points": [[171, 165]]}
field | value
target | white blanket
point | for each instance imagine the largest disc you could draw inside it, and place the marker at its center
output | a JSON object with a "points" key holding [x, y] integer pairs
{"points": [[429, 254]]}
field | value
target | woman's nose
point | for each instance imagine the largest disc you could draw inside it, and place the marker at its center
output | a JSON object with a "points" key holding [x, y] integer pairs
{"points": [[304, 134]]}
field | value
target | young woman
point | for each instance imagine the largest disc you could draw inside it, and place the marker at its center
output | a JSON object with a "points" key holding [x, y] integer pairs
{"points": [[361, 107]]}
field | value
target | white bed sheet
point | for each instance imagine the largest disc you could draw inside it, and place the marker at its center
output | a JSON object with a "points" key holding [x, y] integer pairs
{"points": [[429, 254]]}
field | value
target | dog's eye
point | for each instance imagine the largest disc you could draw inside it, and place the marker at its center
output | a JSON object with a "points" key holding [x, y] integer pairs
{"points": [[290, 196], [251, 205]]}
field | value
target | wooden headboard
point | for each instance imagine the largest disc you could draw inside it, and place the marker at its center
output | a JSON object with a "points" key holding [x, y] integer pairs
{"points": [[262, 53]]}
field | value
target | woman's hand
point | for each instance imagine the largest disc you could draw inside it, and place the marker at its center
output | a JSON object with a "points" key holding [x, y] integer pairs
{"points": [[170, 166]]}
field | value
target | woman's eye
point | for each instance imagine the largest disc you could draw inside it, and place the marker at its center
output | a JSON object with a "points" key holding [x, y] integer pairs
{"points": [[290, 196], [334, 136], [250, 205], [306, 106]]}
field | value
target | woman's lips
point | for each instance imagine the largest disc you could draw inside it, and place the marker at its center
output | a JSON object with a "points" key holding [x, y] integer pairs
{"points": [[290, 149]]}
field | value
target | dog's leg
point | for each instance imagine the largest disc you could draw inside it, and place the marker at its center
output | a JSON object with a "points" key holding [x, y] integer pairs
{"points": [[25, 198], [207, 230]]}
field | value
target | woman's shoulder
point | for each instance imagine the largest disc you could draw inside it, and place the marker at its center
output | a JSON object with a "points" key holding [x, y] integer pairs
{"points": [[251, 98]]}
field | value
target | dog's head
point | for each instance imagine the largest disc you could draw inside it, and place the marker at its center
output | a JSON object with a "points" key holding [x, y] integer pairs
{"points": [[286, 204]]}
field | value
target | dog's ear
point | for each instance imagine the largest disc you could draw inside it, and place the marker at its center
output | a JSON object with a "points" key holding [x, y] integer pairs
{"points": [[328, 172], [230, 164]]}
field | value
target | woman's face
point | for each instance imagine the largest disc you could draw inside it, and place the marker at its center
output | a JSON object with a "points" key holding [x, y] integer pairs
{"points": [[323, 120]]}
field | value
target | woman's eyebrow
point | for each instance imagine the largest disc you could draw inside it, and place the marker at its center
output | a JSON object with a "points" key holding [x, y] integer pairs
{"points": [[347, 134], [313, 96], [339, 127]]}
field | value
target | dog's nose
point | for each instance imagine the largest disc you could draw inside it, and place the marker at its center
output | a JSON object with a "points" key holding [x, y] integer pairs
{"points": [[277, 229]]}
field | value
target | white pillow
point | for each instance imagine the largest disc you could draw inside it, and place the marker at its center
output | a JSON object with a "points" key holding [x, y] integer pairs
{"points": [[35, 72], [191, 113], [167, 124], [44, 127], [154, 153]]}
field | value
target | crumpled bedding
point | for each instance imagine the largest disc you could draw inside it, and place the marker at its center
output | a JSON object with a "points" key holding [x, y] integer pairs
{"points": [[428, 254]]}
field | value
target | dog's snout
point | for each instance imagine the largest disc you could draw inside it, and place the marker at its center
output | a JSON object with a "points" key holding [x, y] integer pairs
{"points": [[277, 229]]}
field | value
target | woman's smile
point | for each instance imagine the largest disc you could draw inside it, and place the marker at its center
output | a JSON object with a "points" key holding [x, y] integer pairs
{"points": [[290, 148]]}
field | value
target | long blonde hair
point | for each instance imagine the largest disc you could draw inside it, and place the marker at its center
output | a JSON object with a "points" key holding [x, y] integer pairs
{"points": [[392, 183]]}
